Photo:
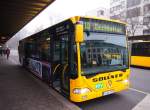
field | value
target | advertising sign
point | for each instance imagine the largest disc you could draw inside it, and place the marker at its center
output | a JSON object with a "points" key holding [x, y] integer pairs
{"points": [[36, 67]]}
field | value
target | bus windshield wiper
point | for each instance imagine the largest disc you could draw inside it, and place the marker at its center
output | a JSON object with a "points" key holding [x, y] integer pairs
{"points": [[91, 75]]}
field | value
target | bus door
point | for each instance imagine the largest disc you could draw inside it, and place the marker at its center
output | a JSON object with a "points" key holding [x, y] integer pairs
{"points": [[68, 62], [65, 64], [55, 63], [60, 67]]}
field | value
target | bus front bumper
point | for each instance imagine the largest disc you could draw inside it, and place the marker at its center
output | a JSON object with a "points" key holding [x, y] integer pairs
{"points": [[98, 93]]}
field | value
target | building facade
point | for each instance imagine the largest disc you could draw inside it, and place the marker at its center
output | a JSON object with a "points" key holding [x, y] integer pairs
{"points": [[146, 18], [135, 12], [98, 12], [118, 9]]}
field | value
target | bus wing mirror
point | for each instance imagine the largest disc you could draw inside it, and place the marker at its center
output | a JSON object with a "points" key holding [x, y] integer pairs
{"points": [[79, 33]]}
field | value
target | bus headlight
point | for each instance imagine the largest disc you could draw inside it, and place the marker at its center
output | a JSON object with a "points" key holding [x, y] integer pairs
{"points": [[81, 90], [126, 81]]}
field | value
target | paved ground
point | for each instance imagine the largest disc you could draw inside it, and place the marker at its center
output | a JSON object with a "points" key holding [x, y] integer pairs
{"points": [[122, 101], [140, 79], [19, 90]]}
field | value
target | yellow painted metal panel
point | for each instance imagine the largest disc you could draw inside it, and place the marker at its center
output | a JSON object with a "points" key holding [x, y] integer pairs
{"points": [[140, 61], [116, 84]]}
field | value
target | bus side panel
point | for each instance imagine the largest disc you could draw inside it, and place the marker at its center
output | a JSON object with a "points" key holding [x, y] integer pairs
{"points": [[35, 67], [40, 69], [140, 61]]}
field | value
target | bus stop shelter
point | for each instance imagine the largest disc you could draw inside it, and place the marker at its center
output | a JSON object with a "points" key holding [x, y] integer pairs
{"points": [[14, 14]]}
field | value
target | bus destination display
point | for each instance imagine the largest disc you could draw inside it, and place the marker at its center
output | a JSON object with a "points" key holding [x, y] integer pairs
{"points": [[103, 26]]}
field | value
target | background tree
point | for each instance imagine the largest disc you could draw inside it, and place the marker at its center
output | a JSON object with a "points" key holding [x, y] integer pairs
{"points": [[134, 21], [133, 25]]}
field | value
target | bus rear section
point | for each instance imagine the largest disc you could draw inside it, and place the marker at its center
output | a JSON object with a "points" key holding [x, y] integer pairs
{"points": [[140, 54], [82, 58]]}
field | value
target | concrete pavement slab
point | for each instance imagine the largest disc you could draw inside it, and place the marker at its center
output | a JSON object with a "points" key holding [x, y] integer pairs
{"points": [[20, 90]]}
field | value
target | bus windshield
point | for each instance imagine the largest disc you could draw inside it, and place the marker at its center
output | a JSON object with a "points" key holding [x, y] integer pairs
{"points": [[103, 52]]}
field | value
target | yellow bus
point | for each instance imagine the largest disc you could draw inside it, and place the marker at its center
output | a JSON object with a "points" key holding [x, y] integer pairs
{"points": [[82, 57], [140, 54]]}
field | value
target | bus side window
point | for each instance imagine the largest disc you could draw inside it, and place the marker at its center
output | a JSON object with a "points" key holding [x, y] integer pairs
{"points": [[56, 57], [28, 49], [64, 50]]}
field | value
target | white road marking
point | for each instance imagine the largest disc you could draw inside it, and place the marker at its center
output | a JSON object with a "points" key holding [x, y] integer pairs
{"points": [[132, 89], [144, 104]]}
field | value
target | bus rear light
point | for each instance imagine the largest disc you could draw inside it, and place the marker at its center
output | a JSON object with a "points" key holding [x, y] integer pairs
{"points": [[81, 90]]}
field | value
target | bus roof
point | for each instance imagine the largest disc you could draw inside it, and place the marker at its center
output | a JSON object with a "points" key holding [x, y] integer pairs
{"points": [[77, 18]]}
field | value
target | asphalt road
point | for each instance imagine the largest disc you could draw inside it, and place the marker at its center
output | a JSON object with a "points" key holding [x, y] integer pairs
{"points": [[125, 100], [140, 79]]}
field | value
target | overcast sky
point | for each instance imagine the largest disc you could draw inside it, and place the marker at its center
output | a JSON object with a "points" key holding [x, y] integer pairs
{"points": [[75, 7], [57, 11]]}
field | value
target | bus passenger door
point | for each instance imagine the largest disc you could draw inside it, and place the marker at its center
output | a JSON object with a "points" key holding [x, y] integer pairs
{"points": [[60, 68], [56, 67], [65, 65]]}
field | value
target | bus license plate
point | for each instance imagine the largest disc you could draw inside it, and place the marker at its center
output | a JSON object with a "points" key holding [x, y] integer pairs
{"points": [[107, 93]]}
